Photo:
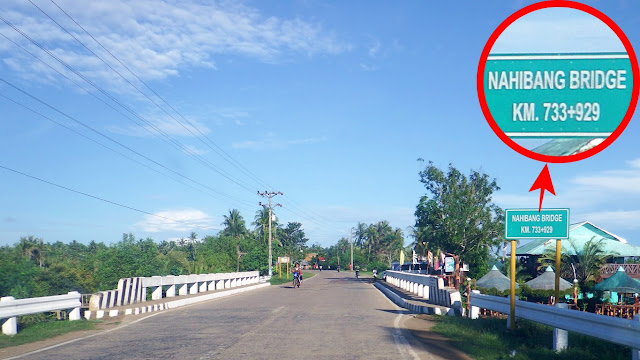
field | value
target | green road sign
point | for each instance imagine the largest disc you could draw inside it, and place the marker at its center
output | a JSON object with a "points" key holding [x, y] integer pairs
{"points": [[531, 224], [558, 95]]}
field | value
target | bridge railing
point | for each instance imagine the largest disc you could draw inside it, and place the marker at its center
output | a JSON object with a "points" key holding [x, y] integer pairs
{"points": [[615, 330], [429, 287], [11, 308], [134, 290]]}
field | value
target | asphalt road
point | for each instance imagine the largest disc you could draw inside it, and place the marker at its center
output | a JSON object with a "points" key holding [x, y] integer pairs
{"points": [[332, 316]]}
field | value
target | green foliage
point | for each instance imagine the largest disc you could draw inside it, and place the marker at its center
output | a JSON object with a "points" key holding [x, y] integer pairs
{"points": [[33, 268], [35, 331], [489, 339], [457, 215], [540, 296], [587, 261]]}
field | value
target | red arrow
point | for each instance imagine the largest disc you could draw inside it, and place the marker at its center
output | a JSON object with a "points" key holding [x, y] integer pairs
{"points": [[543, 182]]}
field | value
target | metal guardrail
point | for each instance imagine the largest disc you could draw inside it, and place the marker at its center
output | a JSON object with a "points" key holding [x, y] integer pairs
{"points": [[10, 307], [615, 330]]}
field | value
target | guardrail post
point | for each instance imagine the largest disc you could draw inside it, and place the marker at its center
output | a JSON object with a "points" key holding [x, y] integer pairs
{"points": [[156, 292], [560, 336], [171, 291], [635, 353], [9, 325], [74, 314], [474, 313], [183, 289]]}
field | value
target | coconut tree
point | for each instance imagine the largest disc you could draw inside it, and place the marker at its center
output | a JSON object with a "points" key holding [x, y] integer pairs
{"points": [[360, 234], [234, 224], [586, 262]]}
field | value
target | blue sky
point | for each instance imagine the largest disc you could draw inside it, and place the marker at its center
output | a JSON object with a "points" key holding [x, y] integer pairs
{"points": [[329, 102]]}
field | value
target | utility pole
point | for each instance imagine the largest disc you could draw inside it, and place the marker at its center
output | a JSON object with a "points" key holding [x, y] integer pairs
{"points": [[270, 194], [351, 241]]}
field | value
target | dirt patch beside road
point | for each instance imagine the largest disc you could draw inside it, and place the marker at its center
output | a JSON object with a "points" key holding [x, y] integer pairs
{"points": [[436, 344]]}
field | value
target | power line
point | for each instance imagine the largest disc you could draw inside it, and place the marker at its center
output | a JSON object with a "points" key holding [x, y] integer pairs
{"points": [[301, 211], [114, 150], [239, 165], [127, 80], [112, 139], [112, 98], [101, 199]]}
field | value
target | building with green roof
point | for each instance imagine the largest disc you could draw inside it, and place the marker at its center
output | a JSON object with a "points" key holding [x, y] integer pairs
{"points": [[579, 235]]}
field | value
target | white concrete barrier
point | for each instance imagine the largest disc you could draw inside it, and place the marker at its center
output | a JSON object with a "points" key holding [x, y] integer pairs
{"points": [[429, 287], [11, 308], [134, 290]]}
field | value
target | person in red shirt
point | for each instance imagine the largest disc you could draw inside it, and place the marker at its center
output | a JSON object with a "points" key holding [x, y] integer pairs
{"points": [[298, 269]]}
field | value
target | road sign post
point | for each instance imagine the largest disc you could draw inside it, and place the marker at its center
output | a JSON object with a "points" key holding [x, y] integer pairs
{"points": [[534, 224], [531, 224]]}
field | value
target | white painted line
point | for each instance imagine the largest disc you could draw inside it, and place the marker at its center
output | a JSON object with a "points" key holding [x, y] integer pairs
{"points": [[402, 344], [103, 332], [558, 57], [558, 134], [82, 338]]}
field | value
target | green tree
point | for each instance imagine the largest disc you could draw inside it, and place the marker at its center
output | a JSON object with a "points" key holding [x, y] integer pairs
{"points": [[586, 262], [234, 224], [293, 237], [458, 216]]}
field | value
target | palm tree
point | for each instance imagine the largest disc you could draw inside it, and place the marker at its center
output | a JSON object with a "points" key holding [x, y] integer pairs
{"points": [[33, 249], [360, 234], [590, 259], [261, 223], [587, 261], [234, 224]]}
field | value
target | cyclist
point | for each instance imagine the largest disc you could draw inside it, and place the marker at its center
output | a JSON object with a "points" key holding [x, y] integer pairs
{"points": [[297, 269]]}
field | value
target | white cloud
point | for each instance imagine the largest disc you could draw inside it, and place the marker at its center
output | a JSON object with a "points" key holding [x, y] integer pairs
{"points": [[184, 220], [626, 181], [375, 48], [270, 142], [156, 39], [557, 30], [619, 219], [366, 67], [190, 149], [166, 124], [608, 198]]}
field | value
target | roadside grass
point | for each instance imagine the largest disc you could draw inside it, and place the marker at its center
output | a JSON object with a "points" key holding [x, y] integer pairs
{"points": [[489, 339], [275, 280], [45, 330]]}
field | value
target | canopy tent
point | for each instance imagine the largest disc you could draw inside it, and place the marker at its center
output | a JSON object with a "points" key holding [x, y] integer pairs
{"points": [[495, 279], [619, 282], [547, 281], [579, 235]]}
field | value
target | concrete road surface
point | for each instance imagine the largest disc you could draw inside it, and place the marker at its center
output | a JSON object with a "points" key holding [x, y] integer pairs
{"points": [[332, 316]]}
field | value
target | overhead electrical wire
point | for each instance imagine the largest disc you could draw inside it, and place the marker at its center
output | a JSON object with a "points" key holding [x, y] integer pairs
{"points": [[227, 157], [111, 139], [112, 98], [118, 152], [101, 199], [314, 217]]}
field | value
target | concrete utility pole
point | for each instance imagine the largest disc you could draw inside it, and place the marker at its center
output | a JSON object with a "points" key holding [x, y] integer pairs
{"points": [[351, 241], [270, 195]]}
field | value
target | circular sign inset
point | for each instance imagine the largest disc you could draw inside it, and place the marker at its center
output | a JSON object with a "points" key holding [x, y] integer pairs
{"points": [[576, 95]]}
